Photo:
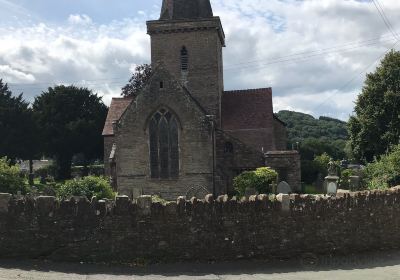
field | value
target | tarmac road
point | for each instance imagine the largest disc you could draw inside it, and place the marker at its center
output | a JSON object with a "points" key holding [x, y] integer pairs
{"points": [[377, 266]]}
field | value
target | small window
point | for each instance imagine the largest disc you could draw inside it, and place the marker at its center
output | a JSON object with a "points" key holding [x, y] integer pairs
{"points": [[228, 148], [184, 59], [161, 84]]}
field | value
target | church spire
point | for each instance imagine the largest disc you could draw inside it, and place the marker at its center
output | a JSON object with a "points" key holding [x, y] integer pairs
{"points": [[185, 9]]}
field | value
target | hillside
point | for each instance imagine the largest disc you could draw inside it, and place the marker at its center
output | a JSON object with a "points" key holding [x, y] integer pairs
{"points": [[316, 136], [302, 126]]}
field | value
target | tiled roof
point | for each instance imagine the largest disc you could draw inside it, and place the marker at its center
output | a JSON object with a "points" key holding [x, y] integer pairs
{"points": [[117, 108], [247, 109]]}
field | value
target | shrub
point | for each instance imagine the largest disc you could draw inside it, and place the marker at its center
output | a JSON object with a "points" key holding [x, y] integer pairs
{"points": [[345, 178], [88, 186], [385, 172], [259, 179], [10, 179]]}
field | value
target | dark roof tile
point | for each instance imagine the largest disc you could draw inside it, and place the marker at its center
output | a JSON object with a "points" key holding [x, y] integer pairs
{"points": [[247, 109], [117, 108]]}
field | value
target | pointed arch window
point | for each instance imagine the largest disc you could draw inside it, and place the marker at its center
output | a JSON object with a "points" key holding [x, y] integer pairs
{"points": [[164, 145], [184, 59]]}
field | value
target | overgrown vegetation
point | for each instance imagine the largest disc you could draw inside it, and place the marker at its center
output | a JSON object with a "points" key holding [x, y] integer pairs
{"points": [[259, 179], [11, 180], [385, 172]]}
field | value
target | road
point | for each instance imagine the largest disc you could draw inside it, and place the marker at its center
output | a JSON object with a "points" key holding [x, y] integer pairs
{"points": [[380, 266]]}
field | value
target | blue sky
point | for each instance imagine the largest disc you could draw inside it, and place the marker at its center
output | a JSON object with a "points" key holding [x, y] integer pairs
{"points": [[314, 53]]}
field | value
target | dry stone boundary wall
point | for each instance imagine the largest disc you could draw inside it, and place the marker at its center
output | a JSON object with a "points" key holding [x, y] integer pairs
{"points": [[221, 229]]}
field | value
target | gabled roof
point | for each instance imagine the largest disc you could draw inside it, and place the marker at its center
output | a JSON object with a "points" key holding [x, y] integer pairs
{"points": [[185, 9], [117, 108], [247, 109]]}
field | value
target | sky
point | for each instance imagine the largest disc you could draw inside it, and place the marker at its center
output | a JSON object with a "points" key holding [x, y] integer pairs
{"points": [[314, 54]]}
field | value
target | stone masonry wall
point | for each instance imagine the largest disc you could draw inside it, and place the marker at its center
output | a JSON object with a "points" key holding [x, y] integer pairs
{"points": [[221, 229], [108, 143], [288, 166]]}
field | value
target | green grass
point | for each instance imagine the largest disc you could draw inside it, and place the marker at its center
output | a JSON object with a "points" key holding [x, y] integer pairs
{"points": [[310, 189]]}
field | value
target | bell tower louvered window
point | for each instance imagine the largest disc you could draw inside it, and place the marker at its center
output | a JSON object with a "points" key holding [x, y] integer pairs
{"points": [[164, 145], [184, 59]]}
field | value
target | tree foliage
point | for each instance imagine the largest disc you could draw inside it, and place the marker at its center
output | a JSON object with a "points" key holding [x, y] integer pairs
{"points": [[19, 138], [259, 179], [384, 172], [315, 136], [71, 120], [322, 138], [376, 123], [10, 179], [137, 81]]}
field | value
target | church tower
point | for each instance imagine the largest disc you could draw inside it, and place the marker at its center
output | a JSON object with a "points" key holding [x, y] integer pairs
{"points": [[188, 40]]}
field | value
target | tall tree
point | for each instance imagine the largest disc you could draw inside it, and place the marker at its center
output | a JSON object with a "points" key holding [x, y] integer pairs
{"points": [[71, 120], [376, 123], [19, 137], [137, 81]]}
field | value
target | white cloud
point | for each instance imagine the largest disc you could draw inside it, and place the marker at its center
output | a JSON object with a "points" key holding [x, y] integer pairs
{"points": [[14, 75], [313, 53], [99, 57], [80, 19]]}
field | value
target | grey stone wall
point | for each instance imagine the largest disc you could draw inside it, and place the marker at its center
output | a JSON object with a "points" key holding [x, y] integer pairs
{"points": [[288, 165], [280, 134], [222, 229], [232, 163]]}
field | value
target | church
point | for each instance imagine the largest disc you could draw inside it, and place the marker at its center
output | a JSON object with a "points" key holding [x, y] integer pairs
{"points": [[183, 134]]}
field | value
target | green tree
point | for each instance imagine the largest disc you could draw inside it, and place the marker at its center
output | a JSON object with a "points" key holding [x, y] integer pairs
{"points": [[376, 123], [137, 81], [71, 120], [19, 138]]}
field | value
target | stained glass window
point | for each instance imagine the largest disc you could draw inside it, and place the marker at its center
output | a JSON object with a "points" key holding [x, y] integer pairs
{"points": [[164, 145]]}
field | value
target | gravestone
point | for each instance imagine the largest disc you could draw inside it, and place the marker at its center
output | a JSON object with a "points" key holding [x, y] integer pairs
{"points": [[284, 188], [355, 182]]}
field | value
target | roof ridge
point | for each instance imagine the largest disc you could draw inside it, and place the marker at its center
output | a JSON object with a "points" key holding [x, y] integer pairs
{"points": [[250, 90], [123, 97]]}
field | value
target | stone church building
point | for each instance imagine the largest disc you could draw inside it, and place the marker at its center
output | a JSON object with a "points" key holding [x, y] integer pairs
{"points": [[184, 134]]}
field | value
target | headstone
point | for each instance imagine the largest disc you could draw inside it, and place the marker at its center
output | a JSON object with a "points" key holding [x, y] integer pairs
{"points": [[136, 192], [4, 200], [284, 188], [355, 182], [331, 185]]}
